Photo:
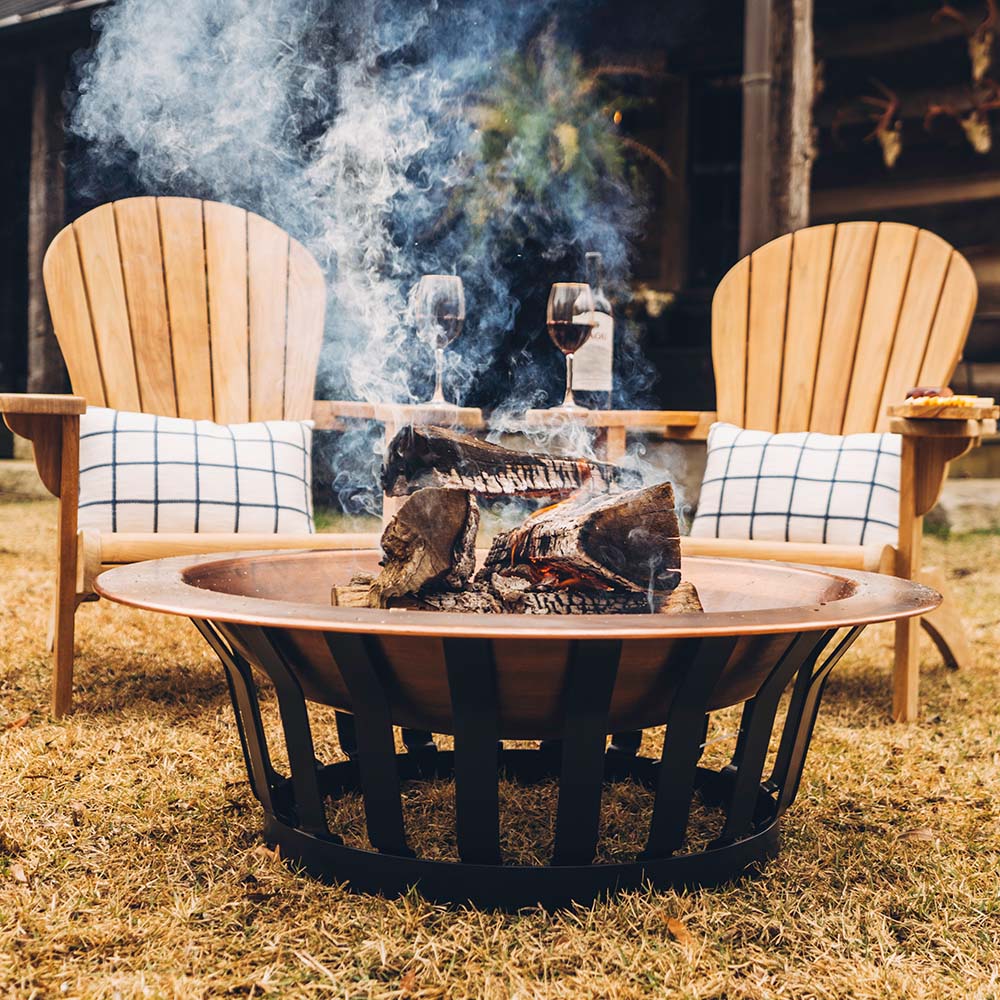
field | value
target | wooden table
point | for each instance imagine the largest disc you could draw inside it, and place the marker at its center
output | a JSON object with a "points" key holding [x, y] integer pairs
{"points": [[611, 427]]}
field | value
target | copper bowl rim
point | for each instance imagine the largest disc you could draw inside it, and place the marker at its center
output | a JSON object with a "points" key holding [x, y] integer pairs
{"points": [[162, 585]]}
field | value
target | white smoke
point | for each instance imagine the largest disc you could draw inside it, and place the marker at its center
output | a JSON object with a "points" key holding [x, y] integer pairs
{"points": [[343, 123]]}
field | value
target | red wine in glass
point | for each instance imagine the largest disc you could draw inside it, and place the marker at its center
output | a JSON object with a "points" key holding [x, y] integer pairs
{"points": [[570, 319], [439, 308], [568, 336]]}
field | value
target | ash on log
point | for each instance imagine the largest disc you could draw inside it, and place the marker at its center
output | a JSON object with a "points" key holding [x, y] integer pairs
{"points": [[420, 457], [623, 542], [429, 545]]}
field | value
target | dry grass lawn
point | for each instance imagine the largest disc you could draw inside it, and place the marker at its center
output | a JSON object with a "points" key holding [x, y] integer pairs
{"points": [[131, 866]]}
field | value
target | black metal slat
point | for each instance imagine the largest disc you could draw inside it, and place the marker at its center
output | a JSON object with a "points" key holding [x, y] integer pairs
{"points": [[472, 683], [347, 734], [376, 754], [263, 646], [242, 693], [704, 661], [801, 720], [593, 667], [755, 732]]}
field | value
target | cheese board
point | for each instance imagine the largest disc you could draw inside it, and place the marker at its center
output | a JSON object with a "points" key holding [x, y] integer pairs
{"points": [[947, 408]]}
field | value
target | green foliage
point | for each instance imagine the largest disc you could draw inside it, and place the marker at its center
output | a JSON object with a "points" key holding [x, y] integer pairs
{"points": [[545, 137]]}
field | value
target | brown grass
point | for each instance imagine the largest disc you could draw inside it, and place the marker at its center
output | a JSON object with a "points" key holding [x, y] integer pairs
{"points": [[131, 866]]}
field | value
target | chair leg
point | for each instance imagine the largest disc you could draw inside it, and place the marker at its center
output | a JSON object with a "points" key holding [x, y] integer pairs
{"points": [[906, 672], [66, 601], [944, 624]]}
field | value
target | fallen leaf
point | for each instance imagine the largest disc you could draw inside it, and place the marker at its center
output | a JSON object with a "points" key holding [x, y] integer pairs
{"points": [[18, 872], [922, 834], [678, 931], [408, 983], [19, 723], [264, 852]]}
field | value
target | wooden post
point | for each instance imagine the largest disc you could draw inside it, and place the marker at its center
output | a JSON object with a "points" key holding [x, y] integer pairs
{"points": [[46, 212], [778, 95], [756, 224], [795, 77]]}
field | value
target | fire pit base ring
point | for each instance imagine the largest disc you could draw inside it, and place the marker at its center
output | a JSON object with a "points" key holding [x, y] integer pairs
{"points": [[567, 681], [514, 886], [295, 811]]}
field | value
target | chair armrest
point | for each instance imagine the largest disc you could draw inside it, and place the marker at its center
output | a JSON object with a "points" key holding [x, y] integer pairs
{"points": [[52, 424], [929, 445], [39, 403], [697, 431]]}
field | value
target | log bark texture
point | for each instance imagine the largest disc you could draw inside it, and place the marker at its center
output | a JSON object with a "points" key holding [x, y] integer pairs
{"points": [[429, 544], [627, 541], [421, 457]]}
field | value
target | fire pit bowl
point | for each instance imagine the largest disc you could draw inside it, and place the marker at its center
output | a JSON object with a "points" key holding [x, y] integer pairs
{"points": [[567, 680]]}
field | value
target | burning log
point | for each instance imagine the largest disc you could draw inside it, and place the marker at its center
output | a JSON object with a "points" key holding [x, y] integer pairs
{"points": [[610, 553], [420, 457], [498, 596], [625, 542], [429, 545]]}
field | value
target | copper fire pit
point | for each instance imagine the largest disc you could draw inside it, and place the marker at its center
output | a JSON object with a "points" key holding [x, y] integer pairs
{"points": [[486, 678]]}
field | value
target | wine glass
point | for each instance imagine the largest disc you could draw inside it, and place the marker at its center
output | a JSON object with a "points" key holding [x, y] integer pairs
{"points": [[439, 310], [570, 318]]}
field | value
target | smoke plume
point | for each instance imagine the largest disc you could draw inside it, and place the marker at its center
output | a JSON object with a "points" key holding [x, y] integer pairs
{"points": [[353, 126]]}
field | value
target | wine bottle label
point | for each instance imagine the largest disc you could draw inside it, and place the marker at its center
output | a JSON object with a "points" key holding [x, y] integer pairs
{"points": [[593, 362]]}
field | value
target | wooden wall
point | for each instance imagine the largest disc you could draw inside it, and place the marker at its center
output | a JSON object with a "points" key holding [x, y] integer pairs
{"points": [[899, 51]]}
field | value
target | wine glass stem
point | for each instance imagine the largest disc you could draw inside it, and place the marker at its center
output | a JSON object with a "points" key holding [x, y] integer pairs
{"points": [[438, 396], [568, 399]]}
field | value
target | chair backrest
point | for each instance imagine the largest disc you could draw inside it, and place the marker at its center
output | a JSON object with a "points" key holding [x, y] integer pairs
{"points": [[187, 308], [822, 328]]}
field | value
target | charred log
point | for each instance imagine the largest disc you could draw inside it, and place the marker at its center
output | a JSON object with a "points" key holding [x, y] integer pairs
{"points": [[498, 597], [430, 544], [420, 457], [626, 541]]}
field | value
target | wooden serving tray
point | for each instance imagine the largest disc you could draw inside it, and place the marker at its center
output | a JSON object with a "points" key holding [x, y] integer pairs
{"points": [[985, 408]]}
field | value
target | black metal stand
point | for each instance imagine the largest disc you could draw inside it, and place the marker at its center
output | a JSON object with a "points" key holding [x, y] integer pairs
{"points": [[294, 815]]}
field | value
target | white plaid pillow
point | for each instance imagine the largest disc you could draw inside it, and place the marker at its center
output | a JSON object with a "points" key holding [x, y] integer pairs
{"points": [[140, 472], [800, 487]]}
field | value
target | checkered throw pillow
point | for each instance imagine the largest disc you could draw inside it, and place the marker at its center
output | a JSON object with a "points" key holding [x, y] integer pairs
{"points": [[800, 487], [140, 472]]}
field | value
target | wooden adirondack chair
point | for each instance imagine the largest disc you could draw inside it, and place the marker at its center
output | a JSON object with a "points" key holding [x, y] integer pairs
{"points": [[176, 307], [822, 330]]}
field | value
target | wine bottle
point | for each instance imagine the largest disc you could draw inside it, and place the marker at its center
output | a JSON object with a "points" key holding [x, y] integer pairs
{"points": [[593, 362]]}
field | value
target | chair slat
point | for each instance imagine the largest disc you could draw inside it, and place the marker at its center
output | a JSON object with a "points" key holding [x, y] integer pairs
{"points": [[102, 274], [142, 271], [890, 271], [226, 267], [951, 323], [730, 310], [769, 273], [267, 267], [67, 297], [304, 335], [812, 254], [183, 237], [853, 246], [923, 292]]}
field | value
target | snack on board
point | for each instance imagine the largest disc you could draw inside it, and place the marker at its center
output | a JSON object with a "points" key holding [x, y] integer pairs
{"points": [[928, 390], [950, 400]]}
